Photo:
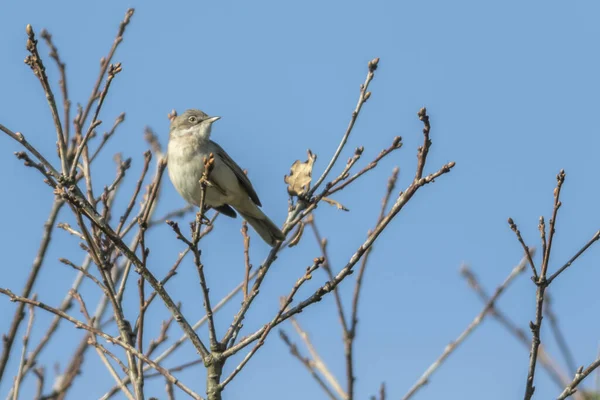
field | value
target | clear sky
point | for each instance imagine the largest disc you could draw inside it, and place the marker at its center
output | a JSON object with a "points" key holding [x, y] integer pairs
{"points": [[512, 90]]}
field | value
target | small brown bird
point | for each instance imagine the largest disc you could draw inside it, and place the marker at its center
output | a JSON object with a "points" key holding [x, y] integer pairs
{"points": [[189, 145]]}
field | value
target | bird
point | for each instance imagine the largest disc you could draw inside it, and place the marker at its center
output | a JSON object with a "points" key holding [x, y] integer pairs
{"points": [[230, 190]]}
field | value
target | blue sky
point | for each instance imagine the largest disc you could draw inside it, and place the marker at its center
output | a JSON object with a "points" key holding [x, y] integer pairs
{"points": [[512, 90]]}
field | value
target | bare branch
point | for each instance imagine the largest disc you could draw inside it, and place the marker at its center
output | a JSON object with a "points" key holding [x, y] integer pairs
{"points": [[593, 240], [307, 275], [424, 379], [309, 366], [322, 242], [19, 377], [557, 376], [396, 144], [580, 375], [317, 362], [113, 70], [351, 334], [362, 98], [542, 284], [104, 63], [517, 232], [558, 335], [246, 259], [9, 338], [401, 201], [62, 81], [37, 66], [80, 325]]}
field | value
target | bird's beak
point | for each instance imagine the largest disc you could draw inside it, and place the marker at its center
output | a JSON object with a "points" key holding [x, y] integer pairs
{"points": [[213, 119]]}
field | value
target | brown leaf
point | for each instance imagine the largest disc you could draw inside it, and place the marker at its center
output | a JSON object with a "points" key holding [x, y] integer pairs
{"points": [[300, 176], [334, 203]]}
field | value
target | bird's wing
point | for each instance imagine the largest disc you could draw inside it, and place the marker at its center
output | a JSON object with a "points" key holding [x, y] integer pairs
{"points": [[226, 210], [239, 173]]}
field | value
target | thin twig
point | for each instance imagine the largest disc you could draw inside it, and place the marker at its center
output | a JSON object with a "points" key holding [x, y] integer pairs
{"points": [[317, 362], [557, 376], [401, 201], [39, 374], [558, 335], [593, 240], [162, 337], [362, 98], [9, 337], [307, 363], [246, 259], [19, 137], [84, 272], [307, 275], [424, 379], [327, 267], [396, 144], [351, 334], [172, 215], [37, 66], [103, 352], [113, 70], [542, 284], [80, 325], [517, 232], [104, 63], [580, 375], [169, 390], [107, 136], [19, 377], [62, 82], [175, 345]]}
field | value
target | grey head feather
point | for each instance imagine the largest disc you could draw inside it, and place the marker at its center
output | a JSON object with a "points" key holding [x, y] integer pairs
{"points": [[183, 121]]}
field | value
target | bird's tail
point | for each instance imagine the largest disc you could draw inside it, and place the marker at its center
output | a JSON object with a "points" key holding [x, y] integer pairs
{"points": [[267, 230]]}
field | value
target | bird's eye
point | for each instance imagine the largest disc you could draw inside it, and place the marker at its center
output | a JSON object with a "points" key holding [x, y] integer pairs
{"points": [[192, 119]]}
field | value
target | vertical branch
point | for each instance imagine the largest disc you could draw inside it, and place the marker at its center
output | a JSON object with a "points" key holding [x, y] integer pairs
{"points": [[204, 183], [213, 361], [62, 82], [423, 150], [19, 377], [37, 66], [246, 259], [122, 324], [349, 342], [558, 336], [542, 284], [140, 332], [327, 267]]}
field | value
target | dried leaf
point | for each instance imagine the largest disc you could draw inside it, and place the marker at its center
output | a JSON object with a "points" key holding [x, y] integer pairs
{"points": [[335, 203], [300, 176]]}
